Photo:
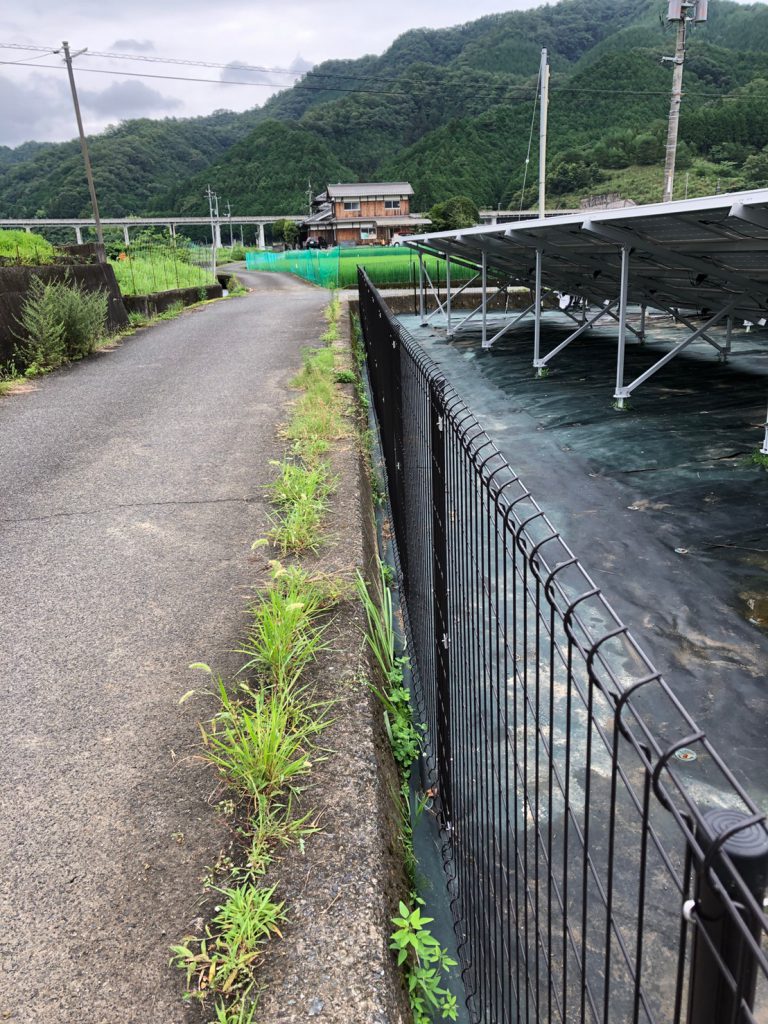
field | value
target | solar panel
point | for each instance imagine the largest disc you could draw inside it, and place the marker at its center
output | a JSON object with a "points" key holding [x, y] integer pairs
{"points": [[714, 248]]}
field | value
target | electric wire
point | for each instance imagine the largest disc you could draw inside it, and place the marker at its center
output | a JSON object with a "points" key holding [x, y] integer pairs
{"points": [[554, 87]]}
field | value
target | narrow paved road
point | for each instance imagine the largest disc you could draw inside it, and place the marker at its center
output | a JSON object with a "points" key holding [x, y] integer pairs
{"points": [[131, 488]]}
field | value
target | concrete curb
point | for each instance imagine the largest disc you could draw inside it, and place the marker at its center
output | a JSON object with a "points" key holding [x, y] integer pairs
{"points": [[334, 962]]}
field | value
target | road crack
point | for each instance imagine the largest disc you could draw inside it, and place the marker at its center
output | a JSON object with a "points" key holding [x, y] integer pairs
{"points": [[246, 500]]}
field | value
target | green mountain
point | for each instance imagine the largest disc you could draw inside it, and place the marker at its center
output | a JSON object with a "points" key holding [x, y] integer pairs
{"points": [[450, 110]]}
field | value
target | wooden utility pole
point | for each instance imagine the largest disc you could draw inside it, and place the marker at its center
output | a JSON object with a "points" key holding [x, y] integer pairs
{"points": [[68, 57], [543, 110]]}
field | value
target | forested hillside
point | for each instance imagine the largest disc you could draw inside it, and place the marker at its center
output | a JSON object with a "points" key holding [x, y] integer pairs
{"points": [[451, 111]]}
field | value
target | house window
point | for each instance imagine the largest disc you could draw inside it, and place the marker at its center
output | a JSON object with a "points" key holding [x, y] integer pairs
{"points": [[391, 204], [352, 204]]}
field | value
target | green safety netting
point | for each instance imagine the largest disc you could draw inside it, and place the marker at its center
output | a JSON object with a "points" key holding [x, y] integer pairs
{"points": [[337, 268]]}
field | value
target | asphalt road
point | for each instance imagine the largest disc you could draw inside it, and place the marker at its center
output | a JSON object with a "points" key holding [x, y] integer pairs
{"points": [[131, 488]]}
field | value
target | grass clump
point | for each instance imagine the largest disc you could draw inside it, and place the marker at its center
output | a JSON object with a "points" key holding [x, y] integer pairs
{"points": [[224, 961], [759, 459], [301, 495], [285, 636], [262, 742]]}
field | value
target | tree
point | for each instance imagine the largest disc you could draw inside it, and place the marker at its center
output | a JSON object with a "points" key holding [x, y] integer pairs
{"points": [[454, 213], [285, 231]]}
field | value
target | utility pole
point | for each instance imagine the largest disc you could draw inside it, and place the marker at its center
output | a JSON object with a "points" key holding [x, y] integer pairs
{"points": [[214, 219], [680, 11], [543, 110], [309, 195], [229, 218], [68, 58]]}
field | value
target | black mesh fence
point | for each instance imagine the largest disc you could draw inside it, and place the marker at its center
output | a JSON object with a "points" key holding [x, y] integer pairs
{"points": [[594, 877]]}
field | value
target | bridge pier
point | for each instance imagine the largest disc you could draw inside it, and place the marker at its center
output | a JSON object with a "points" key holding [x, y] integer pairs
{"points": [[28, 229], [172, 231], [126, 236], [217, 235], [262, 239], [78, 234]]}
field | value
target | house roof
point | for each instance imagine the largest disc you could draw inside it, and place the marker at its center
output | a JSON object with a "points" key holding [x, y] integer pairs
{"points": [[356, 222], [369, 189]]}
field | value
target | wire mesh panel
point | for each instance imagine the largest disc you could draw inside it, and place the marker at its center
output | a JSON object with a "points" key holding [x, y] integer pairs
{"points": [[594, 876]]}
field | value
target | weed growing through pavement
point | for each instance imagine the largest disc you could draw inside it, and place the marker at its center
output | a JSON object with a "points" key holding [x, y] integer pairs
{"points": [[262, 741], [262, 738], [301, 495], [418, 952]]}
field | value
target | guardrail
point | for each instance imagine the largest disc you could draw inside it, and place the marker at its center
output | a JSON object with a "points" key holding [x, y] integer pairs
{"points": [[593, 876]]}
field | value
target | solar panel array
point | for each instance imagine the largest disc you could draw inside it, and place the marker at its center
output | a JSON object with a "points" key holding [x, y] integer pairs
{"points": [[698, 253]]}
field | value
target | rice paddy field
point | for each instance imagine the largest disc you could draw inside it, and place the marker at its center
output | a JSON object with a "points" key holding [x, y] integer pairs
{"points": [[391, 267], [146, 269]]}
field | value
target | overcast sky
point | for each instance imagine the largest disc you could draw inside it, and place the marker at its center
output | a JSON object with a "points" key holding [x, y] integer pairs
{"points": [[35, 104]]}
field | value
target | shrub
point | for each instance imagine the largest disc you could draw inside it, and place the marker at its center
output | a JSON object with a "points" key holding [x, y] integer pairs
{"points": [[84, 316], [59, 321]]}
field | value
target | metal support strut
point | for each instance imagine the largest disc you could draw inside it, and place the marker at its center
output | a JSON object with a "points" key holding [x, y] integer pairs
{"points": [[623, 289], [537, 321], [624, 392], [421, 289]]}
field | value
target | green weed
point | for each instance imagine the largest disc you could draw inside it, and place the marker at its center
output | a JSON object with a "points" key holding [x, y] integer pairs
{"points": [[260, 741], [223, 962], [424, 960], [759, 459], [301, 495], [285, 636], [172, 311], [59, 321]]}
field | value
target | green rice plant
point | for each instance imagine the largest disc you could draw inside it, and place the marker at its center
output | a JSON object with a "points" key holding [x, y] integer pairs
{"points": [[144, 269], [301, 495], [224, 961]]}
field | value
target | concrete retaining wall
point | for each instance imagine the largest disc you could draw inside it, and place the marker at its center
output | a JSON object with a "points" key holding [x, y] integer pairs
{"points": [[158, 302], [14, 284]]}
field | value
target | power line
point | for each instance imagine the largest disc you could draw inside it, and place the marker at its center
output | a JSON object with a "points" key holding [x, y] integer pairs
{"points": [[306, 85]]}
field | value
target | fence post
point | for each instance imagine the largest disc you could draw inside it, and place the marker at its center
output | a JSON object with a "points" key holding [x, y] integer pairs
{"points": [[718, 940], [440, 597]]}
